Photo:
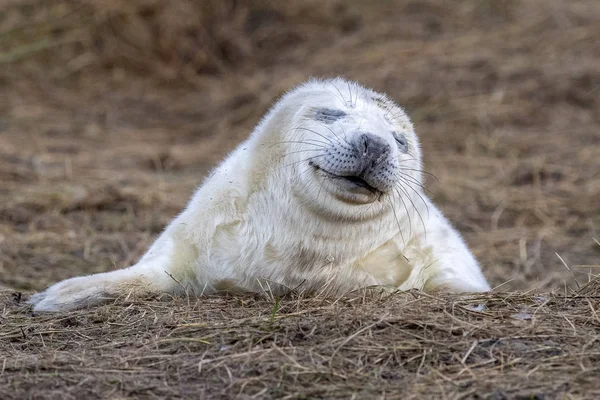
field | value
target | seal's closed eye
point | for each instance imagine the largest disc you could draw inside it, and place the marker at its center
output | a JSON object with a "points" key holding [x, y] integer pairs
{"points": [[401, 142], [328, 115]]}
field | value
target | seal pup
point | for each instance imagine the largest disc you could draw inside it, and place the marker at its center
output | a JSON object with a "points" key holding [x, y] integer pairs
{"points": [[326, 194]]}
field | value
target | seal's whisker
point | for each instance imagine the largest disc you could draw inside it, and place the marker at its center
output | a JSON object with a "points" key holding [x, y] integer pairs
{"points": [[300, 174], [364, 213], [309, 141], [338, 90], [301, 161], [397, 221], [421, 171], [309, 186], [388, 109], [315, 132], [322, 145], [407, 212], [300, 151], [408, 160], [405, 159], [362, 118], [400, 187], [408, 180], [345, 136], [350, 93], [399, 116], [337, 137], [417, 193], [329, 140], [320, 189], [297, 178], [413, 180]]}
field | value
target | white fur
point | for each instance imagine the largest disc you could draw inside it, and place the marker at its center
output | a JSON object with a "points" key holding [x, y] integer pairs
{"points": [[265, 220]]}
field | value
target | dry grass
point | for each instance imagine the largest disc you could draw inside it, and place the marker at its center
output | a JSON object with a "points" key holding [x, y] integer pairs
{"points": [[111, 112], [369, 345]]}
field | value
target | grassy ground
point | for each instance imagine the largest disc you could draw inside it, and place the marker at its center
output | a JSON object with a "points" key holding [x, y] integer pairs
{"points": [[111, 113]]}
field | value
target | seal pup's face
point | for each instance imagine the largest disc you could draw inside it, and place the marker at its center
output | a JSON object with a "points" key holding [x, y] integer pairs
{"points": [[352, 147]]}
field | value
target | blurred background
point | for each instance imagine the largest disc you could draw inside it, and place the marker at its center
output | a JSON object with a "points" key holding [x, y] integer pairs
{"points": [[113, 111]]}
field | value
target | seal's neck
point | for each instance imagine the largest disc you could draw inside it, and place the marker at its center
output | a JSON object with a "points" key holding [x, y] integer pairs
{"points": [[295, 224]]}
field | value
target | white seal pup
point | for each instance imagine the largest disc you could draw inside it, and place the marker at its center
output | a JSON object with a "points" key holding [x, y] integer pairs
{"points": [[325, 195]]}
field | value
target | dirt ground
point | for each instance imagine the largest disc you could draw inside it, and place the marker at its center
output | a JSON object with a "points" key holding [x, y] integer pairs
{"points": [[112, 112]]}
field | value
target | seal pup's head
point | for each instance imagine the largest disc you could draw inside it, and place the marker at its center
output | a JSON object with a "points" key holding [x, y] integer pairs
{"points": [[346, 150]]}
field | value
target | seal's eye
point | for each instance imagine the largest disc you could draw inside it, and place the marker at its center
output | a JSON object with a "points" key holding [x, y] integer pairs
{"points": [[401, 142], [381, 103], [328, 115]]}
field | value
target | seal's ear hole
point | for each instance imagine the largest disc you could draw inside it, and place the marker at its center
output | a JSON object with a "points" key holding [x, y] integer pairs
{"points": [[401, 142], [328, 115]]}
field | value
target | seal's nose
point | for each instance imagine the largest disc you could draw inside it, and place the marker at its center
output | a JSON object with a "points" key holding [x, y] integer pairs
{"points": [[371, 149]]}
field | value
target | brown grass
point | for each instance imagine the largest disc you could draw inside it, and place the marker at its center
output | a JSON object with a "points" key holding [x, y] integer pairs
{"points": [[407, 345], [112, 111]]}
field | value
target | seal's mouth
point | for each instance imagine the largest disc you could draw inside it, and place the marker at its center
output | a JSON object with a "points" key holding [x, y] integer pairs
{"points": [[351, 179]]}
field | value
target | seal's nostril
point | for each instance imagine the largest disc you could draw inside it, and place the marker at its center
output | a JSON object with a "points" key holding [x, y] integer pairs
{"points": [[370, 149]]}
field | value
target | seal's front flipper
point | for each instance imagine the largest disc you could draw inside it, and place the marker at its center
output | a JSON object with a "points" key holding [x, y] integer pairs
{"points": [[164, 269], [95, 289]]}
